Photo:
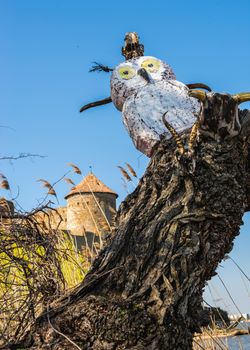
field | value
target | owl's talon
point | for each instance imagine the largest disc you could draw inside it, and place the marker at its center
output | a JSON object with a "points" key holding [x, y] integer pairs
{"points": [[193, 137], [173, 132], [178, 154]]}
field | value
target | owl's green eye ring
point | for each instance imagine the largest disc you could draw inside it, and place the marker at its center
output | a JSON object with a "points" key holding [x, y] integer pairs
{"points": [[127, 72], [151, 65]]}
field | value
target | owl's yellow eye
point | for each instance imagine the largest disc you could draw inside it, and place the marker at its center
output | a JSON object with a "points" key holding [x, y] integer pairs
{"points": [[127, 72], [151, 65]]}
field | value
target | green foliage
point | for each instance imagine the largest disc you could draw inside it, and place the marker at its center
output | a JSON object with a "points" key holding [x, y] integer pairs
{"points": [[36, 267], [73, 263]]}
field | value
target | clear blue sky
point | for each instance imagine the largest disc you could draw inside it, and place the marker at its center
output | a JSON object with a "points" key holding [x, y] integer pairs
{"points": [[47, 48]]}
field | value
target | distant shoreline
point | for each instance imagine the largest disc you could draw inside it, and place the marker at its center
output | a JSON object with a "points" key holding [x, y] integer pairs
{"points": [[223, 333]]}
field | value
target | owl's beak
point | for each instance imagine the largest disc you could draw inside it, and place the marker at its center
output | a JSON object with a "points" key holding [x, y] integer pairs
{"points": [[144, 74]]}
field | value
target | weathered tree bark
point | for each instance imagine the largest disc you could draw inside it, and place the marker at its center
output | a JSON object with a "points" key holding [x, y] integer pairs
{"points": [[145, 288]]}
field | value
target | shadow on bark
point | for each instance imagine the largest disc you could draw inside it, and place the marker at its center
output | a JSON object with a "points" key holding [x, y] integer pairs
{"points": [[144, 290]]}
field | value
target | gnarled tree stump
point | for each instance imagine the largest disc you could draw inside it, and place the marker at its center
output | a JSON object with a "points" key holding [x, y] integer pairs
{"points": [[144, 290]]}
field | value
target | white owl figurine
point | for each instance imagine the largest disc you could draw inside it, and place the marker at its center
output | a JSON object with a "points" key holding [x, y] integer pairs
{"points": [[144, 88]]}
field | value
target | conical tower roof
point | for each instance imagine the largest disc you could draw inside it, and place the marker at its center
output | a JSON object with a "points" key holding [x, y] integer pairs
{"points": [[90, 184]]}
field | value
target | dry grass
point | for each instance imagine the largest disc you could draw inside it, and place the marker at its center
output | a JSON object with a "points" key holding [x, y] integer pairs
{"points": [[208, 340], [216, 339]]}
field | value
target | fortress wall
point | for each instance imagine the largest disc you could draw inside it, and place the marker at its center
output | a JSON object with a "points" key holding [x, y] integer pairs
{"points": [[55, 219]]}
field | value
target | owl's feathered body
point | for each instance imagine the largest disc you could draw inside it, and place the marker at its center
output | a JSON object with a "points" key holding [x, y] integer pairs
{"points": [[145, 88], [142, 113]]}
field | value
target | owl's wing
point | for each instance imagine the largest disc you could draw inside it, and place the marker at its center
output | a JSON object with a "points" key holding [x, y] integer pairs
{"points": [[143, 134]]}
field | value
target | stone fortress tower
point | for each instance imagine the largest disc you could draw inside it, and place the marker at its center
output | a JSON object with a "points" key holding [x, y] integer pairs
{"points": [[88, 216], [91, 208]]}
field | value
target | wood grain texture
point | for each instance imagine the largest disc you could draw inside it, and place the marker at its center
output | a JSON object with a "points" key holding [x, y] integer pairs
{"points": [[144, 290]]}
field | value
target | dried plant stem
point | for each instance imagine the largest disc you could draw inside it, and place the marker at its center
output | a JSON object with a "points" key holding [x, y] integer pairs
{"points": [[60, 333], [93, 219], [229, 294], [98, 204], [240, 344], [243, 281], [216, 340], [199, 345], [239, 268], [218, 294]]}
